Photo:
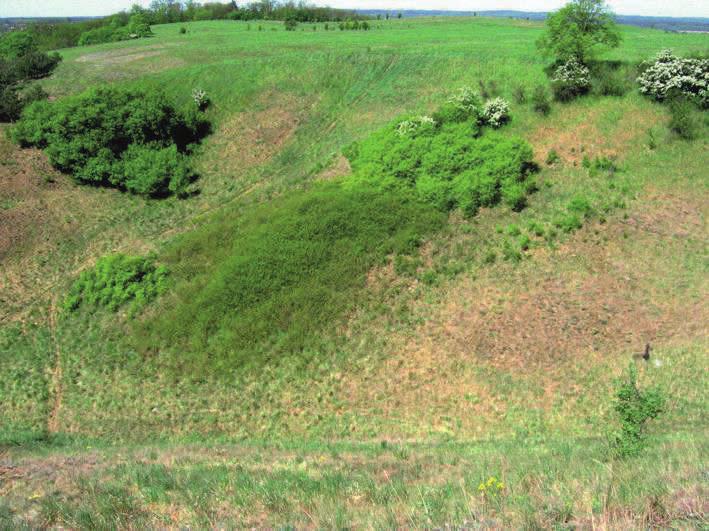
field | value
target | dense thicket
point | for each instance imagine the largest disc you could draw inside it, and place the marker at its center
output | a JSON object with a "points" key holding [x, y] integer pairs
{"points": [[129, 139], [21, 62], [446, 160], [269, 279]]}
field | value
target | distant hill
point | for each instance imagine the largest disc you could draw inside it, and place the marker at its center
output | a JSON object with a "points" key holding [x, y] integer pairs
{"points": [[663, 23]]}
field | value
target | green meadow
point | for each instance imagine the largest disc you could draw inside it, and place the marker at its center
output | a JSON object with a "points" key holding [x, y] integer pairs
{"points": [[324, 355]]}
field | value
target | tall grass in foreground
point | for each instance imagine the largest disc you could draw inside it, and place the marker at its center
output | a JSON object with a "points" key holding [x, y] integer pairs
{"points": [[555, 485]]}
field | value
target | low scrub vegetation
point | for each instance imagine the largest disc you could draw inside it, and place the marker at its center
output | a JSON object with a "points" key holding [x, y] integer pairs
{"points": [[118, 280], [635, 407], [133, 140], [278, 274], [446, 160]]}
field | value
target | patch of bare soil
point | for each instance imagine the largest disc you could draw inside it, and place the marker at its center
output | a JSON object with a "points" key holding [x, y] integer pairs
{"points": [[23, 174], [250, 139], [578, 134], [599, 298]]}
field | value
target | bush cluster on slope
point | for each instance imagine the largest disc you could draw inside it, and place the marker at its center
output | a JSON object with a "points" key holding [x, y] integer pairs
{"points": [[117, 280], [446, 160], [129, 139]]}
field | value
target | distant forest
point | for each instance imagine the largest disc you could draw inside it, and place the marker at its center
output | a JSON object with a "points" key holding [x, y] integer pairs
{"points": [[663, 23], [56, 33]]}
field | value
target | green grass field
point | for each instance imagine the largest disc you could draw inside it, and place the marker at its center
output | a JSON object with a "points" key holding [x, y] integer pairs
{"points": [[414, 372]]}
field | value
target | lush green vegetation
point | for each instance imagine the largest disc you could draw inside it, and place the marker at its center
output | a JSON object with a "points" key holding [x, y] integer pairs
{"points": [[495, 344], [133, 140], [116, 280], [20, 62], [447, 165], [281, 274]]}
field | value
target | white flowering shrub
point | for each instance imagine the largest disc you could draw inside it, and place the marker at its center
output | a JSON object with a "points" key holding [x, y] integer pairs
{"points": [[415, 126], [571, 79], [496, 113], [669, 73], [200, 99]]}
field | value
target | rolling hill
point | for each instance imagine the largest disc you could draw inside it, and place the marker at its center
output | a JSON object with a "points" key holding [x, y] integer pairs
{"points": [[426, 369]]}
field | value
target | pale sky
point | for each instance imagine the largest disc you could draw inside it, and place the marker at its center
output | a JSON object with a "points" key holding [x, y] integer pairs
{"points": [[62, 8]]}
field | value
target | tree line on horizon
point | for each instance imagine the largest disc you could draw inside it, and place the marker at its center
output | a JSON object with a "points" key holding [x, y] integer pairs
{"points": [[56, 35]]}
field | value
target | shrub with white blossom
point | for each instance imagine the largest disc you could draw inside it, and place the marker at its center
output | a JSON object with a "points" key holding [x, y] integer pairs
{"points": [[571, 79], [496, 113], [669, 73], [415, 126], [200, 99]]}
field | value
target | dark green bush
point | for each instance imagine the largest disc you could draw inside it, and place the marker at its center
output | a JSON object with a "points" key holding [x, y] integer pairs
{"points": [[127, 139], [520, 94], [270, 279], [117, 280], [634, 407], [449, 166], [685, 121], [541, 102], [612, 78], [20, 61], [10, 104]]}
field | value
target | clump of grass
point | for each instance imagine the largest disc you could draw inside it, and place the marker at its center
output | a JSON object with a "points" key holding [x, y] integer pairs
{"points": [[519, 94], [541, 101], [552, 157], [684, 118]]}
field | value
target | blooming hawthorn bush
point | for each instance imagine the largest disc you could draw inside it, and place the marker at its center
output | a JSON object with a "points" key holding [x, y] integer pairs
{"points": [[496, 112], [417, 125], [200, 99], [669, 73], [571, 79]]}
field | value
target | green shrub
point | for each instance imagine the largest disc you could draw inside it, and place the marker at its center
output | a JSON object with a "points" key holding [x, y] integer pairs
{"points": [[271, 278], [552, 157], [634, 407], [684, 118], [520, 94], [541, 102], [10, 104], [103, 136], [117, 280], [611, 78], [183, 30], [448, 166], [151, 171], [463, 106]]}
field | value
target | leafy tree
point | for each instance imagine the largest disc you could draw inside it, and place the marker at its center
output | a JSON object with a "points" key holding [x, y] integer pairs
{"points": [[579, 28], [16, 44]]}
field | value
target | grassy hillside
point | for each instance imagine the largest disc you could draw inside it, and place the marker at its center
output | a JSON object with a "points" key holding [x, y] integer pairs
{"points": [[502, 327]]}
